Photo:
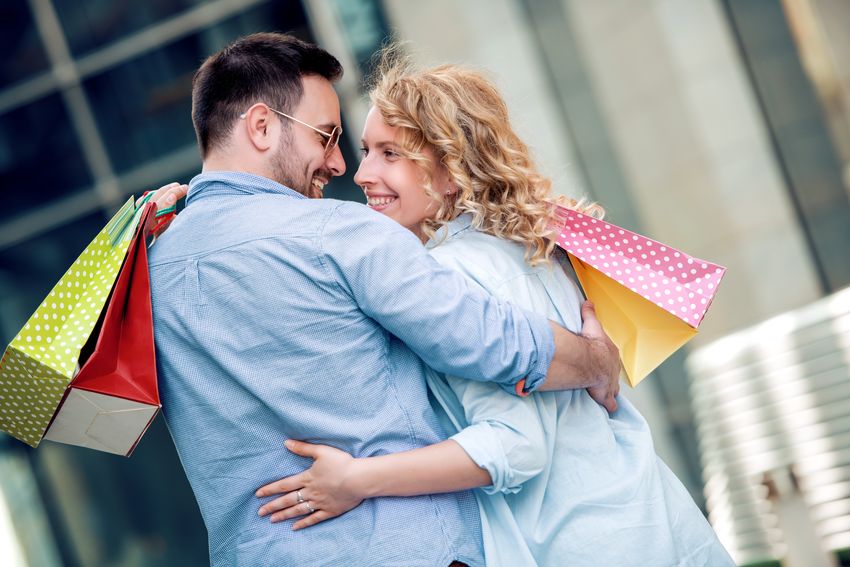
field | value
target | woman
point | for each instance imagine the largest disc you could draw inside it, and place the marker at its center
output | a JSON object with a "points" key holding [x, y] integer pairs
{"points": [[562, 481]]}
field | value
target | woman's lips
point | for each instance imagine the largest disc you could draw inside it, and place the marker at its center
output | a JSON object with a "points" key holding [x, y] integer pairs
{"points": [[380, 202]]}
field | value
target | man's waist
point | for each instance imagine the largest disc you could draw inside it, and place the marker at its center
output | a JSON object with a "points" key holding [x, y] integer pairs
{"points": [[423, 530]]}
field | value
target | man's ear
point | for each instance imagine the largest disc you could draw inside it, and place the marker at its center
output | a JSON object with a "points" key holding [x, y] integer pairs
{"points": [[260, 127]]}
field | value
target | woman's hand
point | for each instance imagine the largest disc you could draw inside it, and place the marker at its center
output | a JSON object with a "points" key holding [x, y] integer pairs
{"points": [[321, 492]]}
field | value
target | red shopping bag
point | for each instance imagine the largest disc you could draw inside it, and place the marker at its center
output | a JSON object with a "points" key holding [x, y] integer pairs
{"points": [[114, 398]]}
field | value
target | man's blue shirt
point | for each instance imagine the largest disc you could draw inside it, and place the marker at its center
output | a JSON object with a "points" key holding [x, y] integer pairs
{"points": [[279, 317]]}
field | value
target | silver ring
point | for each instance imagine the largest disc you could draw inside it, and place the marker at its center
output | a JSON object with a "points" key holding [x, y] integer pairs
{"points": [[310, 507], [299, 497]]}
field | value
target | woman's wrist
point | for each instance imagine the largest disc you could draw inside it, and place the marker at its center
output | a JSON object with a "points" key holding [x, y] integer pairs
{"points": [[361, 480]]}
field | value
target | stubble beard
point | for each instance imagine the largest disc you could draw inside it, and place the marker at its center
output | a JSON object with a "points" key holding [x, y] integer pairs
{"points": [[286, 165]]}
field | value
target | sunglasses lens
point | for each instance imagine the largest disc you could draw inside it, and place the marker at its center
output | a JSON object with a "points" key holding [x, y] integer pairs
{"points": [[333, 141]]}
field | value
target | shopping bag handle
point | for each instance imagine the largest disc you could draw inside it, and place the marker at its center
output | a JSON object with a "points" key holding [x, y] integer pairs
{"points": [[163, 216]]}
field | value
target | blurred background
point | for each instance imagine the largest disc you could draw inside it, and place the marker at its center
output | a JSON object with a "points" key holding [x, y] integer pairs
{"points": [[721, 127]]}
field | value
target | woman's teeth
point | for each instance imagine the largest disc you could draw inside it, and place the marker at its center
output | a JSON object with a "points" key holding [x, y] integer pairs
{"points": [[380, 201]]}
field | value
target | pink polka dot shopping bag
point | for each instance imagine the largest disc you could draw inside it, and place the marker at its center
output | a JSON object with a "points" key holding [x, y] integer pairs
{"points": [[649, 297], [96, 319]]}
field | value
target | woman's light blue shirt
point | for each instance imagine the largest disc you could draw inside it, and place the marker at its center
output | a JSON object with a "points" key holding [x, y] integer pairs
{"points": [[572, 485]]}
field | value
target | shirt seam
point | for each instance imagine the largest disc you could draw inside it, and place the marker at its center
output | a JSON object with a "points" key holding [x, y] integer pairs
{"points": [[200, 255]]}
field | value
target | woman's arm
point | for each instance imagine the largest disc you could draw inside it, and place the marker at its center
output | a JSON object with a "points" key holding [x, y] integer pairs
{"points": [[503, 446], [337, 482]]}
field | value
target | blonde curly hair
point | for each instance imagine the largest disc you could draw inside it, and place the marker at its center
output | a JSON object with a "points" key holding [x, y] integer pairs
{"points": [[460, 115]]}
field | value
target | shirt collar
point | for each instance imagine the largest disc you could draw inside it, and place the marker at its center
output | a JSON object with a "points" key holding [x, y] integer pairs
{"points": [[235, 183], [451, 230]]}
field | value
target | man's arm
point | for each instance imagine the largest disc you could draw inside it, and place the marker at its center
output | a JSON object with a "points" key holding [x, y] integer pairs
{"points": [[455, 326], [589, 360]]}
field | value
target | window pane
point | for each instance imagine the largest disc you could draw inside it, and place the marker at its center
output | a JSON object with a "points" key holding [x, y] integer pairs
{"points": [[143, 107], [40, 156], [23, 55], [95, 23]]}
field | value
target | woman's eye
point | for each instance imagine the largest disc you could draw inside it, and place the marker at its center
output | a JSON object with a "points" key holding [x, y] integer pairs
{"points": [[389, 154], [364, 151]]}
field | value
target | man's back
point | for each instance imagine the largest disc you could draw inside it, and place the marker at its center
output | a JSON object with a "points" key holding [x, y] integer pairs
{"points": [[263, 334]]}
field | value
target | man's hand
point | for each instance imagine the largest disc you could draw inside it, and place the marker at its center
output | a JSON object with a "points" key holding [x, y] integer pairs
{"points": [[588, 360], [608, 356], [164, 197]]}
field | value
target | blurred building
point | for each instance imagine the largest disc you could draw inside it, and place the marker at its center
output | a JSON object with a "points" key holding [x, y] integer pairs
{"points": [[719, 126]]}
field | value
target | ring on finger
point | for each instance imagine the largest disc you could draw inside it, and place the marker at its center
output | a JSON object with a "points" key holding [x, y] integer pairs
{"points": [[299, 497], [310, 508]]}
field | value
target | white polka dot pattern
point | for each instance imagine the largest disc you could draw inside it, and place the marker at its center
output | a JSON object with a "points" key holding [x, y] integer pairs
{"points": [[39, 363], [678, 283]]}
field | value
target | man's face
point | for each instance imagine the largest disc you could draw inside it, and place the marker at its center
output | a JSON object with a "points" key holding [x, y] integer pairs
{"points": [[300, 164]]}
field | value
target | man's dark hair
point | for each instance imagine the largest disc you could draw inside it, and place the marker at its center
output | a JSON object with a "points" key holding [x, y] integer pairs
{"points": [[263, 67]]}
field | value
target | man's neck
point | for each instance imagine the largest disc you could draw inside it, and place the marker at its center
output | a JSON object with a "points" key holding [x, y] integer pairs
{"points": [[244, 164]]}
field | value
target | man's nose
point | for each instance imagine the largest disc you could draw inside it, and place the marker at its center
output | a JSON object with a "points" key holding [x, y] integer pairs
{"points": [[335, 162]]}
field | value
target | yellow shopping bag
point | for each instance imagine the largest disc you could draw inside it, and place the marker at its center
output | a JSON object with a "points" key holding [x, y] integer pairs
{"points": [[649, 297]]}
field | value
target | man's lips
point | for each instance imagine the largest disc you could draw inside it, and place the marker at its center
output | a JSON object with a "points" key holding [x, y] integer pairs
{"points": [[319, 184]]}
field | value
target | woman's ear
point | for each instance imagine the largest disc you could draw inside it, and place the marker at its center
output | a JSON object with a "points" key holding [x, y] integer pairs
{"points": [[444, 181]]}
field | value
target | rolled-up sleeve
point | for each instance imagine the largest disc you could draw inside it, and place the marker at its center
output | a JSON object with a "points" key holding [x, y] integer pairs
{"points": [[448, 321], [505, 435]]}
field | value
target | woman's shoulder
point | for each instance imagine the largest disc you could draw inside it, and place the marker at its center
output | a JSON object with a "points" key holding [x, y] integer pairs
{"points": [[473, 250]]}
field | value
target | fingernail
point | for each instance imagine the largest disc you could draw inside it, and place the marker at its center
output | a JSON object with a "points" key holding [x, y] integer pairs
{"points": [[287, 444], [261, 512]]}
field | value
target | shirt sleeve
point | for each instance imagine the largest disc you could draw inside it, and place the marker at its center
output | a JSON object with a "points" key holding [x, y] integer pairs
{"points": [[502, 434], [505, 435], [452, 324]]}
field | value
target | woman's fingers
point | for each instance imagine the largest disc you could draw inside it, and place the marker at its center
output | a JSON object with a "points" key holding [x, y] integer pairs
{"points": [[302, 509], [303, 449], [286, 501], [288, 484], [312, 520]]}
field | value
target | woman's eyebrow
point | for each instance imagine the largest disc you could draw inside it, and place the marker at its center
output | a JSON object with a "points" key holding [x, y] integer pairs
{"points": [[380, 145]]}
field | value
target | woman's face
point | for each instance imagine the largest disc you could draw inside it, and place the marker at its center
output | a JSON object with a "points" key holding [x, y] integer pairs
{"points": [[394, 184]]}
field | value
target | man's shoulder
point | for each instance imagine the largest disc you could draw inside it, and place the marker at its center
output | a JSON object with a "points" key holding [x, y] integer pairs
{"points": [[355, 222], [358, 213]]}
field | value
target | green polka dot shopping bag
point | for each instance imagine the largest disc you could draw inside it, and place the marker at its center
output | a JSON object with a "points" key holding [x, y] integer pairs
{"points": [[88, 348]]}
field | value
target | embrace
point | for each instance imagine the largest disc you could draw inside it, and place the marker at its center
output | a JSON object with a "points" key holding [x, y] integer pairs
{"points": [[415, 382]]}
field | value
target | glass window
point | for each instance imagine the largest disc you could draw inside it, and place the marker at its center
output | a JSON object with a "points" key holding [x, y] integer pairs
{"points": [[94, 23], [365, 29], [143, 107], [40, 156], [23, 54]]}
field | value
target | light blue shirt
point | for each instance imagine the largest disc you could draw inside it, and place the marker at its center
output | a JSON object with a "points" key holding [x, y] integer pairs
{"points": [[282, 317], [571, 484]]}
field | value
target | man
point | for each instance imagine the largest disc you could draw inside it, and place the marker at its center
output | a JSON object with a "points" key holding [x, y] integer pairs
{"points": [[278, 316]]}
